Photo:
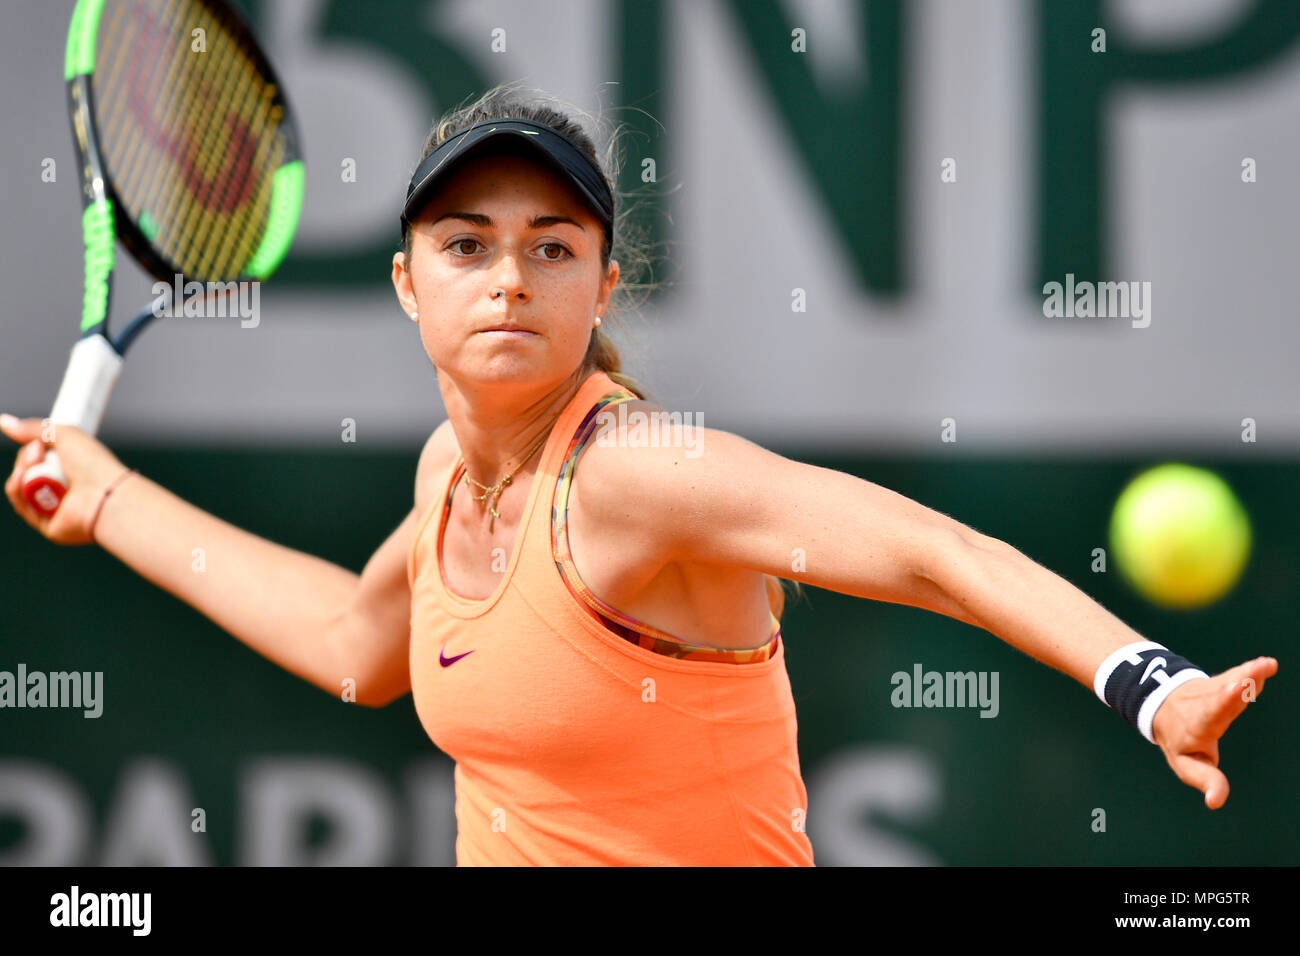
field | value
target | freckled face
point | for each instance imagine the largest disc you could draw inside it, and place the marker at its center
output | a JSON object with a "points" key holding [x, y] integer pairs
{"points": [[507, 223]]}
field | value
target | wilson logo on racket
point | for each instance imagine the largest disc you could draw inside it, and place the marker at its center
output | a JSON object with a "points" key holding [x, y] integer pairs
{"points": [[173, 146], [232, 185]]}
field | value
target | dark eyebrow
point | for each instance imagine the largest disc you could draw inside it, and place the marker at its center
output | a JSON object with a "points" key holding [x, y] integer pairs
{"points": [[478, 219]]}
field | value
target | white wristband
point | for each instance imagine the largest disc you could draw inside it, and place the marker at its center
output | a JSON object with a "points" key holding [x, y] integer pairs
{"points": [[1121, 682], [1129, 652], [1147, 715]]}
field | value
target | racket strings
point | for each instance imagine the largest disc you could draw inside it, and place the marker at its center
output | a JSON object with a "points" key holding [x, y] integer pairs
{"points": [[160, 41], [191, 137], [217, 91], [126, 74], [207, 193], [227, 153]]}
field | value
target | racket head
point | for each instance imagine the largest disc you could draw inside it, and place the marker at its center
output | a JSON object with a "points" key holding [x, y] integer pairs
{"points": [[188, 145]]}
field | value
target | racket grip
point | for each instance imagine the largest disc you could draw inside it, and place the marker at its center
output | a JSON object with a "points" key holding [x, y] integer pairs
{"points": [[92, 371], [44, 484]]}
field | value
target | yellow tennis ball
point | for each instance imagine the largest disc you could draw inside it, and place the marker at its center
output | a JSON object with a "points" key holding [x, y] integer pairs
{"points": [[1180, 536]]}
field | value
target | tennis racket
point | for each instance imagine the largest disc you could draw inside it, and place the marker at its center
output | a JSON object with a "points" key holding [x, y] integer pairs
{"points": [[189, 156]]}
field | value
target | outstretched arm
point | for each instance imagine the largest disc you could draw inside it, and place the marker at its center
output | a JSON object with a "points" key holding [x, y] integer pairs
{"points": [[735, 503], [320, 621]]}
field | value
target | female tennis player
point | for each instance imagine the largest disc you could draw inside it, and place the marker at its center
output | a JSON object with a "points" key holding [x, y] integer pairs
{"points": [[588, 620]]}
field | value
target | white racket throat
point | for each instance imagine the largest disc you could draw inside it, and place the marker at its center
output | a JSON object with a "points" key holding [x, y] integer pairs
{"points": [[92, 371]]}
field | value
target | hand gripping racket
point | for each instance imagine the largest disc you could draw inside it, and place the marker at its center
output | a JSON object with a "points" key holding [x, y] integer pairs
{"points": [[188, 154]]}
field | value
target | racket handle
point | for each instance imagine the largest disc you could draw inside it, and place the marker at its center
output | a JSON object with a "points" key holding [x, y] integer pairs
{"points": [[44, 484], [92, 371]]}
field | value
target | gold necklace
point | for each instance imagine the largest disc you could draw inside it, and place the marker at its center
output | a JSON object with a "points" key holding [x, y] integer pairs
{"points": [[500, 486]]}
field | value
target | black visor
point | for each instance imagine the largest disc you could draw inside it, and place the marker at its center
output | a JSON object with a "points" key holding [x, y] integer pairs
{"points": [[534, 139]]}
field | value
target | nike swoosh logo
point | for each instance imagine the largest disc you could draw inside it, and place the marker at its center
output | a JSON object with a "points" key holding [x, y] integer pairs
{"points": [[1155, 662], [448, 661]]}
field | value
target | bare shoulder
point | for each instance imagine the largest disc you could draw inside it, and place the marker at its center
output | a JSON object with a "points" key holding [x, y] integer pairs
{"points": [[439, 451], [661, 475], [639, 447]]}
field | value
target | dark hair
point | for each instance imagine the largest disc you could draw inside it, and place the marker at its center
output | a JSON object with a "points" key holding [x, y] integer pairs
{"points": [[627, 245]]}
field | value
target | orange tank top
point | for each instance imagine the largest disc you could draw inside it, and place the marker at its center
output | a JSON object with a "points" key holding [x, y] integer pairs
{"points": [[580, 736]]}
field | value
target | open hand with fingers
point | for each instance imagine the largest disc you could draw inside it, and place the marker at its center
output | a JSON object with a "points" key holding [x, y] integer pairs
{"points": [[1189, 723]]}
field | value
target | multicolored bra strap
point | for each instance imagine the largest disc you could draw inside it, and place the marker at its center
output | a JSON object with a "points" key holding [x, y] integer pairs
{"points": [[627, 627]]}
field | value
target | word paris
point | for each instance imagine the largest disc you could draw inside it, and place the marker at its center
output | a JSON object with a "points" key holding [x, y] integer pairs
{"points": [[209, 300], [951, 689], [58, 689], [102, 909], [1125, 300], [656, 429]]}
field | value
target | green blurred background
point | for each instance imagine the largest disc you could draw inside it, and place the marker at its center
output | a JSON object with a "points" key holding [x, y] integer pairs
{"points": [[824, 291], [287, 774]]}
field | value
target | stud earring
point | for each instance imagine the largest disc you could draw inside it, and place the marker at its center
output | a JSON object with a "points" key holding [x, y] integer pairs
{"points": [[414, 316], [598, 320]]}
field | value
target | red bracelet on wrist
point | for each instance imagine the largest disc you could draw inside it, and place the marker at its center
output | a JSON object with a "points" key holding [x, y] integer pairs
{"points": [[108, 491]]}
